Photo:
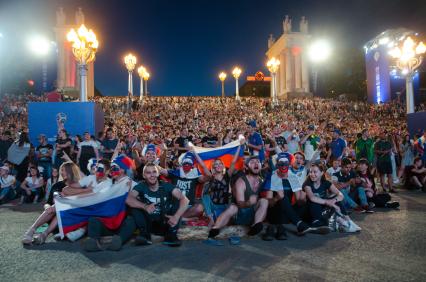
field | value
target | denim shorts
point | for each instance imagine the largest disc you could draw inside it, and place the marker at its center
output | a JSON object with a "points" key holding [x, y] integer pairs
{"points": [[245, 216]]}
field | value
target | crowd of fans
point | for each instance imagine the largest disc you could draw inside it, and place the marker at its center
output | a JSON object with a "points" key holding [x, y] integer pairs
{"points": [[310, 162]]}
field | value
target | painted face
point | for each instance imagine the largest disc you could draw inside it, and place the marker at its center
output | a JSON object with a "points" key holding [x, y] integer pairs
{"points": [[283, 167], [187, 167], [115, 171], [100, 171]]}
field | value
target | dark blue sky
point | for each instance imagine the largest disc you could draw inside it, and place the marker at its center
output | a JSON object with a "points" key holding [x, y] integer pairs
{"points": [[185, 43]]}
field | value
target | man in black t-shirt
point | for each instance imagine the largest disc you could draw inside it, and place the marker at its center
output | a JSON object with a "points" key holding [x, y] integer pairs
{"points": [[210, 140], [44, 153], [151, 207], [344, 180], [181, 143], [109, 144], [5, 143]]}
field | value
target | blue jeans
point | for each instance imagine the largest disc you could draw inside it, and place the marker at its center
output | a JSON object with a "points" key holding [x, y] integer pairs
{"points": [[211, 209], [348, 201], [360, 193], [7, 193], [47, 169]]}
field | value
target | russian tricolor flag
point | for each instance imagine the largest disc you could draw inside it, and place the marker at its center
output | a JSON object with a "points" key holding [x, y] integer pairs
{"points": [[225, 154], [108, 204]]}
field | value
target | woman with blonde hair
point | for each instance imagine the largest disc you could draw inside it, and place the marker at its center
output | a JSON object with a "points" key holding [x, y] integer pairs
{"points": [[69, 174]]}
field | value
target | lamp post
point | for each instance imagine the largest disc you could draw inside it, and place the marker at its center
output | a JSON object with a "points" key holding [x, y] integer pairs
{"points": [[84, 47], [141, 72], [272, 66], [409, 57], [146, 76], [130, 62], [236, 72], [222, 77]]}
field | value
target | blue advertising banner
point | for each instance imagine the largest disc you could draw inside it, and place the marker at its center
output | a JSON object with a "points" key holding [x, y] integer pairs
{"points": [[75, 117], [378, 78]]}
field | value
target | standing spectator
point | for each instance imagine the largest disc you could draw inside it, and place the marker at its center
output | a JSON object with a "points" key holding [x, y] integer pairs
{"points": [[109, 144], [19, 154], [86, 150], [63, 145], [255, 142], [210, 140], [5, 142], [407, 151], [181, 143], [44, 153], [337, 146], [383, 149], [364, 147], [310, 142]]}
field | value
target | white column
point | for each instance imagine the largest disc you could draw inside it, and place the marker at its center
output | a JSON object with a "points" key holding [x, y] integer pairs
{"points": [[83, 82], [288, 71], [410, 94], [281, 74], [146, 87], [305, 73], [297, 72], [237, 90]]}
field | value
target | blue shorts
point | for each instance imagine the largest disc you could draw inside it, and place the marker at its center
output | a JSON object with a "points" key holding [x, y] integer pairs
{"points": [[245, 216]]}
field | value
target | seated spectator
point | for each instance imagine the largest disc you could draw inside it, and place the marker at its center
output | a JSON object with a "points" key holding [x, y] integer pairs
{"points": [[151, 207], [32, 185], [216, 191], [96, 229], [344, 180], [69, 174], [322, 196], [418, 174], [7, 185], [248, 208], [281, 188]]}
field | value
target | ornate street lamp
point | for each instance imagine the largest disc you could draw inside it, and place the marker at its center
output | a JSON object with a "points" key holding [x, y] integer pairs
{"points": [[409, 57], [222, 77], [236, 72], [84, 47], [141, 72], [272, 66], [130, 62]]}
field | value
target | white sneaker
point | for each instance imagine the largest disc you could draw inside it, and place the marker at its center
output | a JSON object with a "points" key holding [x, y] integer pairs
{"points": [[76, 234], [355, 225]]}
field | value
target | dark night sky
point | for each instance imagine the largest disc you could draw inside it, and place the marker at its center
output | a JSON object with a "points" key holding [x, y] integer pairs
{"points": [[185, 43]]}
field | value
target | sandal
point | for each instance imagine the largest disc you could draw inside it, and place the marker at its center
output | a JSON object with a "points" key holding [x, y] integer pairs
{"points": [[40, 238], [27, 239]]}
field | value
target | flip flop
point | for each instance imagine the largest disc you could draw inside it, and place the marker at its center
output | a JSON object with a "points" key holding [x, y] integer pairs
{"points": [[213, 242], [234, 240]]}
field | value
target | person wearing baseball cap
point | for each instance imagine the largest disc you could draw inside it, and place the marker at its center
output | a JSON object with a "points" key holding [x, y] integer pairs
{"points": [[96, 228], [7, 184], [280, 190], [187, 177]]}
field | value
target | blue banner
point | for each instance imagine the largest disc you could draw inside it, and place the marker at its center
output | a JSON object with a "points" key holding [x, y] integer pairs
{"points": [[75, 117]]}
